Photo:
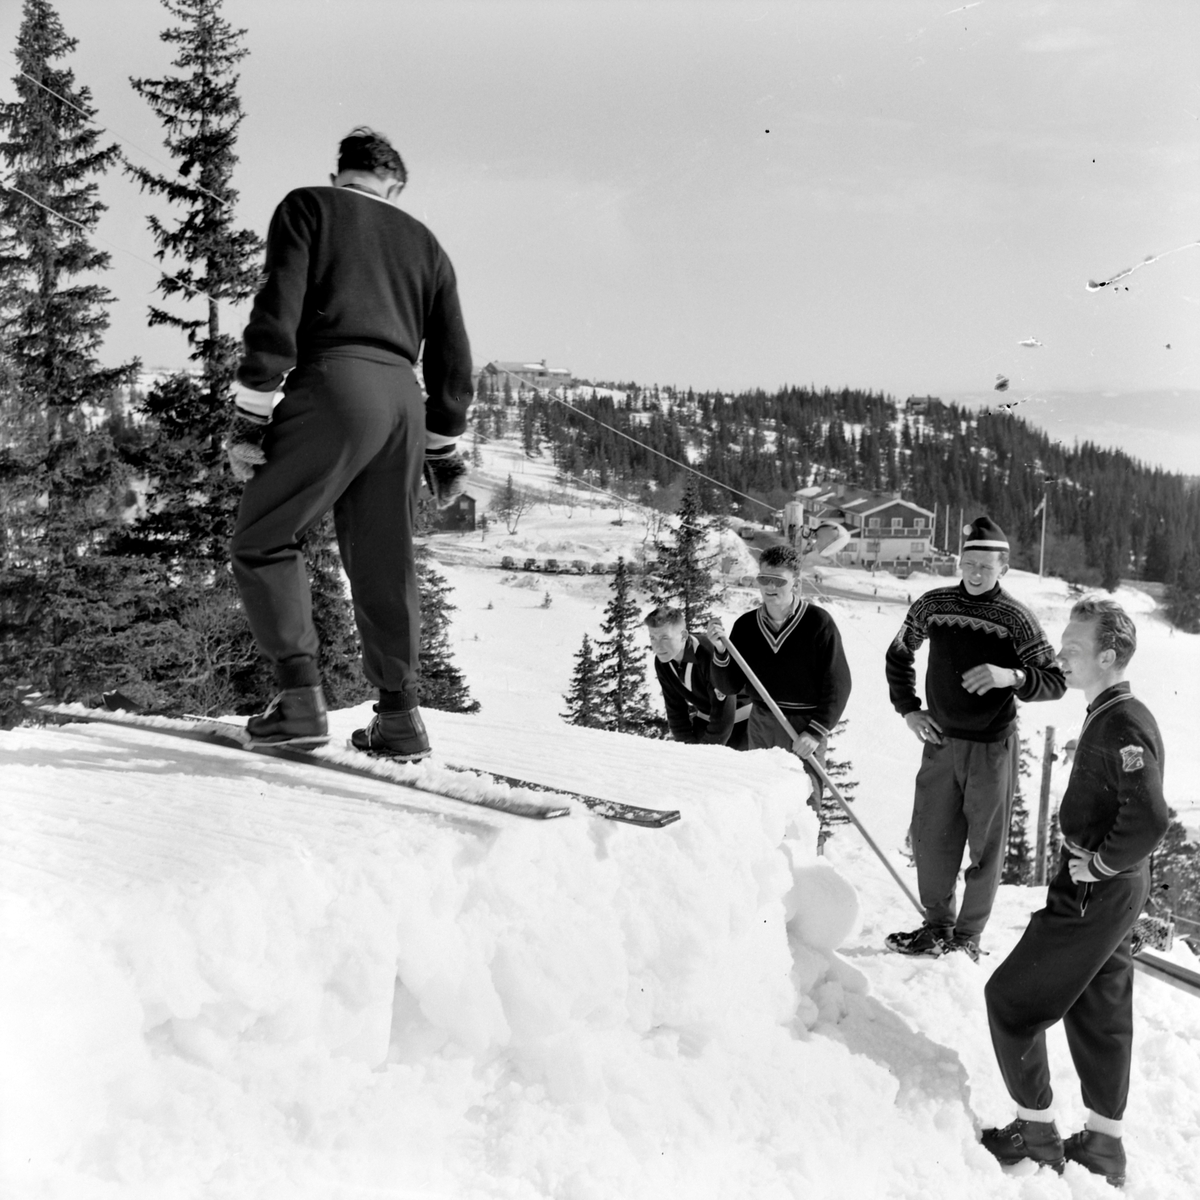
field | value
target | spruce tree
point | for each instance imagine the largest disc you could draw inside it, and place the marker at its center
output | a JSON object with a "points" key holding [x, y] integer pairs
{"points": [[194, 498], [621, 665], [441, 685], [585, 702], [65, 610], [684, 573], [1018, 855], [831, 813]]}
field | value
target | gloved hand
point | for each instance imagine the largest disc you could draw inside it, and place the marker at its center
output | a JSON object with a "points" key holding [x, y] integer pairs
{"points": [[247, 428], [445, 473]]}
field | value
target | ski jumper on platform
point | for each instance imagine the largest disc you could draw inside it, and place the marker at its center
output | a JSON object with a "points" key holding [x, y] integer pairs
{"points": [[1074, 963], [796, 651], [698, 712], [354, 287], [986, 651]]}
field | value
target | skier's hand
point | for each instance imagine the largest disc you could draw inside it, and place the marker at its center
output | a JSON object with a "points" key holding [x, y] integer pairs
{"points": [[716, 634], [247, 428], [924, 726], [1080, 865], [804, 744], [984, 677], [445, 474]]}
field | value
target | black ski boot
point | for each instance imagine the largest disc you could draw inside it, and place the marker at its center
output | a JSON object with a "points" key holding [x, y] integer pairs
{"points": [[1101, 1153], [399, 734], [1037, 1140], [930, 941], [295, 717]]}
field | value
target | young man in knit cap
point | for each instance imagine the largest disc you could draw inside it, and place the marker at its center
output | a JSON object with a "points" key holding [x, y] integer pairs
{"points": [[986, 651], [698, 712], [796, 651], [354, 287], [1074, 962]]}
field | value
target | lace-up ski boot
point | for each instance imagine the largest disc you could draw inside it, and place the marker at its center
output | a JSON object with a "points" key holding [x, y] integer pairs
{"points": [[1100, 1153], [930, 941], [295, 717], [1037, 1140], [399, 734]]}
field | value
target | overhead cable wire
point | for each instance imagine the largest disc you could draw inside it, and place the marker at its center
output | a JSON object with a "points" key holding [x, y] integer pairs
{"points": [[104, 129], [192, 291]]}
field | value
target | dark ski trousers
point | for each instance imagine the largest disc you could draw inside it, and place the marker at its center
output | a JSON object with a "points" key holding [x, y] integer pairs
{"points": [[964, 799], [1074, 964], [349, 435], [763, 732]]}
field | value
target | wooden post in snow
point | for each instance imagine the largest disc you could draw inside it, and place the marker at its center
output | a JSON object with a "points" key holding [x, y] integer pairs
{"points": [[1043, 824]]}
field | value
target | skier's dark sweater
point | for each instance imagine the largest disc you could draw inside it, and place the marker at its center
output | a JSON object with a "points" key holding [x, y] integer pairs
{"points": [[1114, 802], [802, 666], [346, 268], [965, 631], [692, 699]]}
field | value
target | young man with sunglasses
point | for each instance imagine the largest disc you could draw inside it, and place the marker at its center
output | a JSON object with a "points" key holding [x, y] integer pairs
{"points": [[986, 651], [795, 649], [355, 289]]}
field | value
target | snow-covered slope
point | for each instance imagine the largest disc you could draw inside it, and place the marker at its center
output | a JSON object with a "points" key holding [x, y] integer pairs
{"points": [[232, 977]]}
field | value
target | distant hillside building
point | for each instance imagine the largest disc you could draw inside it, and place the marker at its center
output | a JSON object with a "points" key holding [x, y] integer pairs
{"points": [[887, 532], [527, 374]]}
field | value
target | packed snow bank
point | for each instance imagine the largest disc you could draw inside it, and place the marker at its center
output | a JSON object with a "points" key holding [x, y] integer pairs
{"points": [[227, 976]]}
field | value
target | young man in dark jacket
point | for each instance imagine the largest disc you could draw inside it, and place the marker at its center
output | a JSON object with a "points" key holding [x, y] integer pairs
{"points": [[986, 651], [354, 289], [795, 650], [1074, 963], [698, 712]]}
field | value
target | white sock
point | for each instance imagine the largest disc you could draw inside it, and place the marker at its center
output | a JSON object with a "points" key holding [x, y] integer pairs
{"points": [[1099, 1124], [1045, 1115]]}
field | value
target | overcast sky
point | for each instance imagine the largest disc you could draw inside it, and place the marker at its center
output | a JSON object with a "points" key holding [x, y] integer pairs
{"points": [[890, 195]]}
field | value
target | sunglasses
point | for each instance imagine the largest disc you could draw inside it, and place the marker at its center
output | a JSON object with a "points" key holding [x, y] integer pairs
{"points": [[772, 580]]}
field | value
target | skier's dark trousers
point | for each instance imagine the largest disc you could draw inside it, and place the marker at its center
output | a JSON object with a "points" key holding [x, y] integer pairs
{"points": [[1074, 963], [354, 289]]}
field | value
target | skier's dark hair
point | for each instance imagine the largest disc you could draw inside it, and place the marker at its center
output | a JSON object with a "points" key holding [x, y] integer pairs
{"points": [[365, 150], [781, 556], [1114, 628], [663, 615]]}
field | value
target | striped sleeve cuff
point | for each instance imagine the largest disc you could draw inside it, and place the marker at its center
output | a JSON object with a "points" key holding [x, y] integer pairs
{"points": [[1101, 868], [818, 728]]}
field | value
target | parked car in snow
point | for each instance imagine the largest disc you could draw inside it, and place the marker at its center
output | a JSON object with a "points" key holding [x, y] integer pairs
{"points": [[508, 563], [530, 565]]}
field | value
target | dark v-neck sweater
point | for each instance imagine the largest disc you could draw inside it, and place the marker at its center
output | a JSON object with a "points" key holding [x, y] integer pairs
{"points": [[802, 665]]}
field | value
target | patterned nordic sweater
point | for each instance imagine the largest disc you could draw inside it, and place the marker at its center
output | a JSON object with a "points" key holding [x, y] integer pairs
{"points": [[1114, 801], [802, 666], [965, 631]]}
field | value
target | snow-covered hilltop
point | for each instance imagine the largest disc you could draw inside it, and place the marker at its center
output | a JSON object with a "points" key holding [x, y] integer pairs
{"points": [[226, 976]]}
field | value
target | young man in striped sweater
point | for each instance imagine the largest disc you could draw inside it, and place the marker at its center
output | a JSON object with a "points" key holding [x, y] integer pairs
{"points": [[355, 290], [1074, 963], [796, 651], [986, 651]]}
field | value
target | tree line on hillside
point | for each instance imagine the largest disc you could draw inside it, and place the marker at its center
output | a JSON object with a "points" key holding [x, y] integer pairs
{"points": [[1108, 516], [114, 538]]}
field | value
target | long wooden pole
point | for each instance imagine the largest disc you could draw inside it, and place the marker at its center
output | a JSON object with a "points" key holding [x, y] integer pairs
{"points": [[819, 771]]}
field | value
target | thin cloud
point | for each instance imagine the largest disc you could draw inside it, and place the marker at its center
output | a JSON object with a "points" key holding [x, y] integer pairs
{"points": [[1064, 41]]}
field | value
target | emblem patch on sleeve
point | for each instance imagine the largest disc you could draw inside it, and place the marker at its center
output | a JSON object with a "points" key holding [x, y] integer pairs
{"points": [[1132, 758]]}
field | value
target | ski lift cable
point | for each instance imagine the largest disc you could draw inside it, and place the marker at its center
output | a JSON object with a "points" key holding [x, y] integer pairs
{"points": [[191, 291], [547, 394], [103, 129]]}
